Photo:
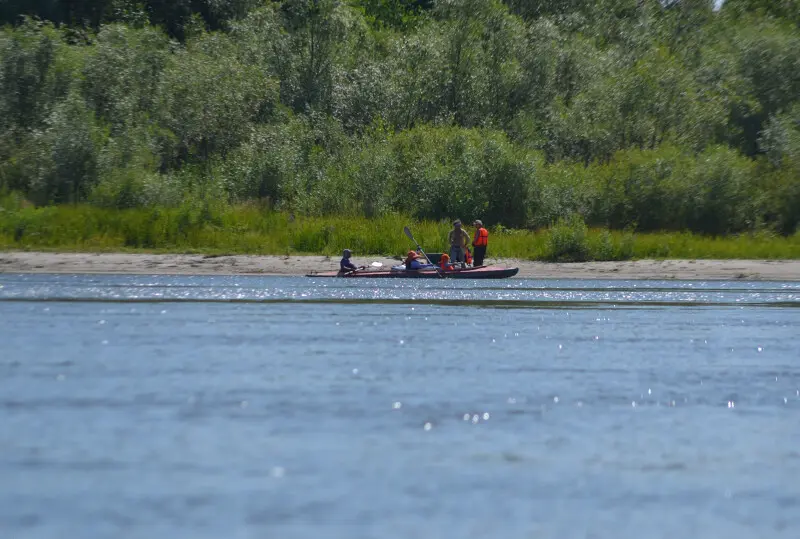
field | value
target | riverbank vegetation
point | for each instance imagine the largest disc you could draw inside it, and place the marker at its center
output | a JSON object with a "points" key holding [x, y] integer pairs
{"points": [[249, 228], [665, 128]]}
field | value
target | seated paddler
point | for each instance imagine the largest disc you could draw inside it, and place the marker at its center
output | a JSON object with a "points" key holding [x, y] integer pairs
{"points": [[346, 265], [412, 261]]}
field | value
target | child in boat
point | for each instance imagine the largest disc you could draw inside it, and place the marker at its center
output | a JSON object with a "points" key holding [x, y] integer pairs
{"points": [[444, 262]]}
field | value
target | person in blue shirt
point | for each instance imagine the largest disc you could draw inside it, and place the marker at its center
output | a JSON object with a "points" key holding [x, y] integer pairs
{"points": [[345, 265], [412, 261]]}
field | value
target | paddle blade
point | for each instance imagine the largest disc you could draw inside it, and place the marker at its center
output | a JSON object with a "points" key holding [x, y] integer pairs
{"points": [[407, 232]]}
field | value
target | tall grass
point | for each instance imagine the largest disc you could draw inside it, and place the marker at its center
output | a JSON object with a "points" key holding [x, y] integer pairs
{"points": [[250, 229]]}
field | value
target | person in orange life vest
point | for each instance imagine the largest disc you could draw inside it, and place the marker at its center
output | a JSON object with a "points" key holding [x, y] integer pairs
{"points": [[444, 262], [480, 242], [412, 261]]}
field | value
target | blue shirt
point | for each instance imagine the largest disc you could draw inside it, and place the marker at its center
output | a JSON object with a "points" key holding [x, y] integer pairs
{"points": [[346, 265], [415, 264]]}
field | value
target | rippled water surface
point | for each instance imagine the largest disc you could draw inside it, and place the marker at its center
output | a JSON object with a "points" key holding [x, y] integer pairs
{"points": [[288, 407]]}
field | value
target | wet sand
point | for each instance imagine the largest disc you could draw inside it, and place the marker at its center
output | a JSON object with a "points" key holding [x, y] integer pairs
{"points": [[181, 264]]}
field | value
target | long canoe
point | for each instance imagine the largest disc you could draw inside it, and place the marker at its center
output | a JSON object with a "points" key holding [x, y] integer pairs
{"points": [[480, 272]]}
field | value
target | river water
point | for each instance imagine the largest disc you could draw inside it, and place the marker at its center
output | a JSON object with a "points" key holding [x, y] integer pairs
{"points": [[290, 407]]}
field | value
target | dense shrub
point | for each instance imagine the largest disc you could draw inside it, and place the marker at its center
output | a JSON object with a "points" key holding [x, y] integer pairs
{"points": [[568, 241]]}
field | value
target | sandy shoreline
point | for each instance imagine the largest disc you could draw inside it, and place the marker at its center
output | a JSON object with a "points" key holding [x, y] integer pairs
{"points": [[179, 264]]}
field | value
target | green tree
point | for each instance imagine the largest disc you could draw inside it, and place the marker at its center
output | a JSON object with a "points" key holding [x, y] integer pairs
{"points": [[395, 13], [209, 99], [418, 78], [67, 153], [531, 9], [767, 59], [780, 140], [685, 21], [318, 32], [36, 70], [641, 106], [482, 44], [781, 9], [123, 72]]}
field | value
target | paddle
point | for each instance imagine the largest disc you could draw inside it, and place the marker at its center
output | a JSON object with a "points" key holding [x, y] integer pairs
{"points": [[408, 233], [374, 265]]}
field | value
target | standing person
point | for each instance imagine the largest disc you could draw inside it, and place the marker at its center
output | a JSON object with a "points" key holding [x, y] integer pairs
{"points": [[480, 242], [458, 240]]}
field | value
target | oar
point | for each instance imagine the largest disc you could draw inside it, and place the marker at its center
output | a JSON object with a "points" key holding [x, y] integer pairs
{"points": [[408, 233], [374, 265]]}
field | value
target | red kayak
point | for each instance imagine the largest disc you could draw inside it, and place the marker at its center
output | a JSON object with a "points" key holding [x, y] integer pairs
{"points": [[479, 272]]}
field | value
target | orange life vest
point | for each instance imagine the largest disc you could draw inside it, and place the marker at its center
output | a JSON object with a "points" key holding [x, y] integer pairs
{"points": [[444, 262], [481, 238], [468, 257]]}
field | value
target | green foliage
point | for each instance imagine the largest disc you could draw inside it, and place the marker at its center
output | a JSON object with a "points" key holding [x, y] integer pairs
{"points": [[567, 241], [209, 98], [122, 72], [174, 15], [779, 9], [637, 115], [540, 8], [564, 189], [36, 70], [667, 189], [781, 142], [322, 33], [449, 172], [67, 154], [640, 106], [210, 227], [394, 13], [764, 55]]}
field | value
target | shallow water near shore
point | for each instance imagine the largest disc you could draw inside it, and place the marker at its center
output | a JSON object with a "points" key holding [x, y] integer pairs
{"points": [[194, 407]]}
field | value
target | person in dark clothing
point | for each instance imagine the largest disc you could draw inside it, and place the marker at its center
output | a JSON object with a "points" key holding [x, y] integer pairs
{"points": [[345, 265], [480, 243]]}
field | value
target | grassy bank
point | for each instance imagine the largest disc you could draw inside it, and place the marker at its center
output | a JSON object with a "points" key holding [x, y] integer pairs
{"points": [[249, 229]]}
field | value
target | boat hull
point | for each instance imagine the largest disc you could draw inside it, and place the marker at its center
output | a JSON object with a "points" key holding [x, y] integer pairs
{"points": [[481, 272]]}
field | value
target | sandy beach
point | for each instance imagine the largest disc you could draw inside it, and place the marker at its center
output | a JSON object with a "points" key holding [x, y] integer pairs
{"points": [[181, 264]]}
